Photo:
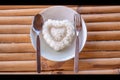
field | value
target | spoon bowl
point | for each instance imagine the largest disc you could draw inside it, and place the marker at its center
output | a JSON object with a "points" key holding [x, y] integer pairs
{"points": [[37, 24]]}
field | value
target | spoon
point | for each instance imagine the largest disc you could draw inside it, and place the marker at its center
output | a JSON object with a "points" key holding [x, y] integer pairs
{"points": [[37, 27]]}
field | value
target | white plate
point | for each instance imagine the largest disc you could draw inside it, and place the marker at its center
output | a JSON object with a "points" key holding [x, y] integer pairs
{"points": [[59, 13]]}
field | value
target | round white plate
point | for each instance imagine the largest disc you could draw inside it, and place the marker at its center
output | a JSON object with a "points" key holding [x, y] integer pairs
{"points": [[59, 13]]}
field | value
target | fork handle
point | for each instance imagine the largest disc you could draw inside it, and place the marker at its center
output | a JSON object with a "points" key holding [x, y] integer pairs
{"points": [[76, 59], [38, 55]]}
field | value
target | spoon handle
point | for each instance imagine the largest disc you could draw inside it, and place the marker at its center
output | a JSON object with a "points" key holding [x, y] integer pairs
{"points": [[38, 55]]}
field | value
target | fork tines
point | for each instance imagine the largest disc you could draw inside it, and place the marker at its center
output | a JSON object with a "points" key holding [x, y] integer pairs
{"points": [[78, 21]]}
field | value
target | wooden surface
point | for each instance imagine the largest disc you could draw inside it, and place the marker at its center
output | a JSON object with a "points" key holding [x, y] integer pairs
{"points": [[101, 54]]}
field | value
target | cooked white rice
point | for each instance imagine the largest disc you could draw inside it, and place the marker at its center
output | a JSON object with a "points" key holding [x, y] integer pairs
{"points": [[58, 34]]}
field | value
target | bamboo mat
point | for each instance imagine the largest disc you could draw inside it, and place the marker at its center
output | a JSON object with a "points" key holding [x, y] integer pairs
{"points": [[101, 54]]}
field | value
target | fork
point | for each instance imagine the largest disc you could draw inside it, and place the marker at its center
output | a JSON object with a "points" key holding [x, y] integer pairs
{"points": [[78, 25]]}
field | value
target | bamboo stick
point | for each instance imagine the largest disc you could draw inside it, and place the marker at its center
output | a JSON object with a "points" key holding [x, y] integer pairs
{"points": [[99, 9], [5, 7], [99, 54], [102, 45], [16, 20], [22, 6], [19, 47], [15, 29], [103, 26], [14, 38], [110, 17], [26, 73], [103, 35], [20, 12], [17, 56], [110, 71], [17, 66]]}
